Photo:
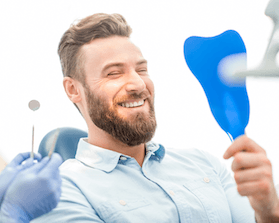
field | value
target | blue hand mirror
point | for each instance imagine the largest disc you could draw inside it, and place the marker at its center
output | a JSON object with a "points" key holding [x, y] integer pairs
{"points": [[211, 60]]}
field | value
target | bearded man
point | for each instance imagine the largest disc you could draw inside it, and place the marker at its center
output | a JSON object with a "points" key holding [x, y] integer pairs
{"points": [[119, 174]]}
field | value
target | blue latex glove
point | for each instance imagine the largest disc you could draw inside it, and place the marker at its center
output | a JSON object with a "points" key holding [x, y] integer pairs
{"points": [[13, 168], [33, 192]]}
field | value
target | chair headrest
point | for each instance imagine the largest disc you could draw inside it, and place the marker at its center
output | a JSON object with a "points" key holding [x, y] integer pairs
{"points": [[66, 144]]}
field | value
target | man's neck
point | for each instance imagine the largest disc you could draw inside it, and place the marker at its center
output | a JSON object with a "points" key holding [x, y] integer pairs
{"points": [[106, 141]]}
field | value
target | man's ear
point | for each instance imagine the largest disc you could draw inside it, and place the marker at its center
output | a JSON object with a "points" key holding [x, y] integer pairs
{"points": [[73, 89]]}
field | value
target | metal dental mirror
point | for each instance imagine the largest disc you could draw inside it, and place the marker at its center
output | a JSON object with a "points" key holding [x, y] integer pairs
{"points": [[34, 105]]}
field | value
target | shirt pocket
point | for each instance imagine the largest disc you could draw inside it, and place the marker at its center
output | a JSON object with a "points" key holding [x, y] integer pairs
{"points": [[211, 195], [123, 209]]}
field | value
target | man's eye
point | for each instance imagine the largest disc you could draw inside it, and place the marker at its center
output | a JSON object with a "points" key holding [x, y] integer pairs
{"points": [[142, 71], [113, 73]]}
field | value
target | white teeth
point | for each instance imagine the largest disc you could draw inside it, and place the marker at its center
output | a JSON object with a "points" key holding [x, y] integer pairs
{"points": [[131, 105]]}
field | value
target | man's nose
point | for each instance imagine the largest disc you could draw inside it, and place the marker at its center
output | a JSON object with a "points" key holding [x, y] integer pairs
{"points": [[135, 84]]}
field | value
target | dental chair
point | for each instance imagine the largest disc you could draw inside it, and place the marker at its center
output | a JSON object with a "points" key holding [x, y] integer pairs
{"points": [[66, 144]]}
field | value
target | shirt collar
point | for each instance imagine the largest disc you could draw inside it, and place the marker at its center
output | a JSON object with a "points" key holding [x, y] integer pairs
{"points": [[156, 151], [107, 160]]}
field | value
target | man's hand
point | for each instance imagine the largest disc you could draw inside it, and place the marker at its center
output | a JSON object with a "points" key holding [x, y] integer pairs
{"points": [[253, 175]]}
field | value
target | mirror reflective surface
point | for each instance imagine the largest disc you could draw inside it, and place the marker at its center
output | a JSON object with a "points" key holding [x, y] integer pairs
{"points": [[34, 105]]}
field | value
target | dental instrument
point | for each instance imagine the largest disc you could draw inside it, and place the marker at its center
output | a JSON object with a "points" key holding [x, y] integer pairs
{"points": [[34, 105], [54, 142]]}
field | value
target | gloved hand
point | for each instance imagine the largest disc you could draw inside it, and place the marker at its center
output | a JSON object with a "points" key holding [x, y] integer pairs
{"points": [[34, 192], [13, 168]]}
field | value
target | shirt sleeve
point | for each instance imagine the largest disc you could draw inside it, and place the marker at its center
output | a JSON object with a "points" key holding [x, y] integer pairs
{"points": [[73, 207], [241, 210]]}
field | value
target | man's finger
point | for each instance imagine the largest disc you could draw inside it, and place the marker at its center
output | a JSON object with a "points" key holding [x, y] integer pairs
{"points": [[253, 174], [257, 189], [242, 143], [249, 160]]}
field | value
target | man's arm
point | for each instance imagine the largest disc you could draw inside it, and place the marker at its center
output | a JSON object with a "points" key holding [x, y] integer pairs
{"points": [[240, 208], [73, 206], [253, 175]]}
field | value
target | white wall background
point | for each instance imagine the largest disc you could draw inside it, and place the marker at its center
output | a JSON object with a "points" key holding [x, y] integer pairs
{"points": [[30, 69]]}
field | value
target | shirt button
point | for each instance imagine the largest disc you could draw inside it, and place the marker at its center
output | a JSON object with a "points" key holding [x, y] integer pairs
{"points": [[123, 158], [171, 193], [122, 202], [206, 180]]}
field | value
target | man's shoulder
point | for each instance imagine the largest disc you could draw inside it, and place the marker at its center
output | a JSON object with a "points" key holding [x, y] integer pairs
{"points": [[189, 152], [70, 164], [72, 168], [197, 156]]}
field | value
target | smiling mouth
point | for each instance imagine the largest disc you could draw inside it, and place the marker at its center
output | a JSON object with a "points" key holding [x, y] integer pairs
{"points": [[132, 104]]}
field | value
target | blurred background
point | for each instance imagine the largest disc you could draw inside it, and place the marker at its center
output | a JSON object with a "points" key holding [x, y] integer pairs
{"points": [[30, 69]]}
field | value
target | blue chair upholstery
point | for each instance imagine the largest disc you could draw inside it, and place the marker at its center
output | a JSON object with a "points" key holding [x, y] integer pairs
{"points": [[66, 144]]}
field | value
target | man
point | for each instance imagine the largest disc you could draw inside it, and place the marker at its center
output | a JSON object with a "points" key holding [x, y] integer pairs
{"points": [[119, 175]]}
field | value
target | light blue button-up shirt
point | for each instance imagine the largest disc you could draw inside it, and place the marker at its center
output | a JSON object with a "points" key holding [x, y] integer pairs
{"points": [[187, 186]]}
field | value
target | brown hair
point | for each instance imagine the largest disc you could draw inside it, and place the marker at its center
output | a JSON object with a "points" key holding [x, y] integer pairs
{"points": [[96, 26]]}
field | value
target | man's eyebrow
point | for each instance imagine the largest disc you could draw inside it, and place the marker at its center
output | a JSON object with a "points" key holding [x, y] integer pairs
{"points": [[112, 65], [106, 67], [143, 61]]}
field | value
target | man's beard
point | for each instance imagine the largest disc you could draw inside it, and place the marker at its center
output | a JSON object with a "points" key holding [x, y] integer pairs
{"points": [[134, 131]]}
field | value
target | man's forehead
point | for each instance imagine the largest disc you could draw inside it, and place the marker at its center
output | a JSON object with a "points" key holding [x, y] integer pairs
{"points": [[114, 49], [109, 44]]}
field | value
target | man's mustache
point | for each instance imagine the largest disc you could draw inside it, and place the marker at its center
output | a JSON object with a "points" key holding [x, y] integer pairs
{"points": [[143, 95]]}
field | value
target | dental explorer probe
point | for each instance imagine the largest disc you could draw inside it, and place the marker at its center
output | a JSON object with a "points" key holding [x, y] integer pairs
{"points": [[54, 142]]}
